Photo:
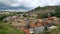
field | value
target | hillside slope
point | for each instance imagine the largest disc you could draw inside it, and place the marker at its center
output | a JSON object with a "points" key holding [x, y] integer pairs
{"points": [[8, 29], [46, 9]]}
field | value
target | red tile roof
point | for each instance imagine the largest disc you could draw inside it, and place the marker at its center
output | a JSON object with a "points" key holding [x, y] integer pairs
{"points": [[36, 25], [39, 24], [32, 25], [26, 30]]}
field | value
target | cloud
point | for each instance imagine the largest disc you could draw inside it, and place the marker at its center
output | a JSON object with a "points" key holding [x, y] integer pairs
{"points": [[30, 3], [49, 2]]}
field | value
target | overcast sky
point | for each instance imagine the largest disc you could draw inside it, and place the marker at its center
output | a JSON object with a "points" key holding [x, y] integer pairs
{"points": [[28, 4]]}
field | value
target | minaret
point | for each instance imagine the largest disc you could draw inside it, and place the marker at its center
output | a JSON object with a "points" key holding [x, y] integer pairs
{"points": [[49, 16]]}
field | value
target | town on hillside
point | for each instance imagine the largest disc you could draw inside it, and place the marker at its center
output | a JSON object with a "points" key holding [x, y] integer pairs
{"points": [[30, 24], [44, 20]]}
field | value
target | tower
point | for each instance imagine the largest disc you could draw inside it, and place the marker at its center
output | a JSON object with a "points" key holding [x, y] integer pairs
{"points": [[49, 17]]}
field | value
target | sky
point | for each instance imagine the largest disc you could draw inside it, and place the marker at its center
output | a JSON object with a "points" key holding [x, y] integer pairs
{"points": [[26, 4]]}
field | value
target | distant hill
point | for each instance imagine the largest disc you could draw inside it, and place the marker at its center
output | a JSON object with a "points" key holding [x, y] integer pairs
{"points": [[6, 7], [46, 9]]}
